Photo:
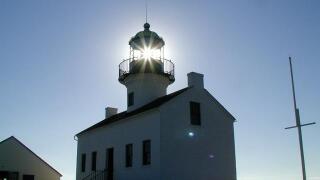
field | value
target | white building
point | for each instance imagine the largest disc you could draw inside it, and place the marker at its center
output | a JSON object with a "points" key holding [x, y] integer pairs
{"points": [[185, 135], [18, 162]]}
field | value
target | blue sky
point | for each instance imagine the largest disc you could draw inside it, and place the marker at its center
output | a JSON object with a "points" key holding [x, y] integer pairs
{"points": [[59, 67]]}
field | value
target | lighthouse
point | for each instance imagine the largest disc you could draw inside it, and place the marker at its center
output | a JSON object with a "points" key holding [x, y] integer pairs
{"points": [[186, 134], [146, 73]]}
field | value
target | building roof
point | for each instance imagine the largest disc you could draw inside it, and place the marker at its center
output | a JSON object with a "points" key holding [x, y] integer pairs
{"points": [[24, 146], [120, 116]]}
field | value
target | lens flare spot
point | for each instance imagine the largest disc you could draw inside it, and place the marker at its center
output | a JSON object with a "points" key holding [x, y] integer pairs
{"points": [[190, 134]]}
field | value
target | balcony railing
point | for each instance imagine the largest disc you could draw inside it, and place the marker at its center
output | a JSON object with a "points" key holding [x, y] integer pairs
{"points": [[132, 66], [98, 175]]}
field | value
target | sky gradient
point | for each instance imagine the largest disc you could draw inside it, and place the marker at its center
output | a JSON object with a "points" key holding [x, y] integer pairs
{"points": [[59, 68]]}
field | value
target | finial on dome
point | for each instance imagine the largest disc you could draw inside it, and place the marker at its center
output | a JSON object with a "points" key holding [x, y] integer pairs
{"points": [[146, 26]]}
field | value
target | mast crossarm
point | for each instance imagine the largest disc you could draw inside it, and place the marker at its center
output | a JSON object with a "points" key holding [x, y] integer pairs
{"points": [[300, 125]]}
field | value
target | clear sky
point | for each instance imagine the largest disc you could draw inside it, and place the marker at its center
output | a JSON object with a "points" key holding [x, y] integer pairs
{"points": [[59, 67]]}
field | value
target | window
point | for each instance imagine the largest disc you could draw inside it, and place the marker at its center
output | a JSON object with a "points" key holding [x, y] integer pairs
{"points": [[130, 99], [195, 113], [129, 154], [146, 152], [94, 161], [83, 162], [28, 177]]}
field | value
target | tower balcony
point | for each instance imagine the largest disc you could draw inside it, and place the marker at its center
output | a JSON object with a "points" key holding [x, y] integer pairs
{"points": [[161, 66]]}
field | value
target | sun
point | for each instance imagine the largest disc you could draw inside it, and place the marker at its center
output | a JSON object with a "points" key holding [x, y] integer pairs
{"points": [[150, 53], [147, 53]]}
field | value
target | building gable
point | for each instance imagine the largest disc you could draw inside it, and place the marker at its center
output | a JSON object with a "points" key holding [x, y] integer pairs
{"points": [[211, 97], [208, 144], [19, 144]]}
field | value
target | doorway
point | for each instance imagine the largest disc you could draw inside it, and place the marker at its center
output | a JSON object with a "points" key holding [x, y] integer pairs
{"points": [[109, 163], [28, 177]]}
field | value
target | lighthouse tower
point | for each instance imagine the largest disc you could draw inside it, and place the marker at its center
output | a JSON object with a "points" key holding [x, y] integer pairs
{"points": [[146, 73]]}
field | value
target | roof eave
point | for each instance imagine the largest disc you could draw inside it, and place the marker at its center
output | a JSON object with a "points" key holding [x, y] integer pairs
{"points": [[142, 109]]}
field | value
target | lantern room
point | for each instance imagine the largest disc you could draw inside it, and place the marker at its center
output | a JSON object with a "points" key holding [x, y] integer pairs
{"points": [[146, 56]]}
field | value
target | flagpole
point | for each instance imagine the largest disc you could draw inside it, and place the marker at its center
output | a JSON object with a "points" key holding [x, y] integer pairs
{"points": [[298, 124]]}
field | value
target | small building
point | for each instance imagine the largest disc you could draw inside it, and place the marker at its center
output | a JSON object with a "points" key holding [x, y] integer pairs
{"points": [[18, 162], [185, 135]]}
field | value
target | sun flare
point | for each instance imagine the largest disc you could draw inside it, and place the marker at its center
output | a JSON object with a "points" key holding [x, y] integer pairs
{"points": [[148, 53]]}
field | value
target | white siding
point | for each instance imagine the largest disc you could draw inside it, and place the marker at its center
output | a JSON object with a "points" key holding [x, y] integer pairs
{"points": [[190, 158], [132, 130]]}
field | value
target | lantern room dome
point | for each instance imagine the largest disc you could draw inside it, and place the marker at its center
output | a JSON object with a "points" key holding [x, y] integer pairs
{"points": [[146, 38]]}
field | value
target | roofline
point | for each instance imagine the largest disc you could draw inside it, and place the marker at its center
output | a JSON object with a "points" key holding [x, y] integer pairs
{"points": [[234, 119], [181, 91], [12, 137], [87, 130]]}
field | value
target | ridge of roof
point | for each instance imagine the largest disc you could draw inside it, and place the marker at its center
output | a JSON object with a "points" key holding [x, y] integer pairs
{"points": [[14, 138], [117, 117], [219, 104]]}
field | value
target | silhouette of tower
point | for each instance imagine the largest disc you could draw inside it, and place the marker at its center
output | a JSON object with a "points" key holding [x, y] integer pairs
{"points": [[146, 73]]}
